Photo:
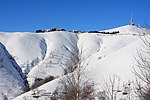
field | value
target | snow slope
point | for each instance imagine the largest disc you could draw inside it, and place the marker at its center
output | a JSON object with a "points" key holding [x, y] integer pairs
{"points": [[108, 54], [59, 46], [119, 62], [12, 80], [40, 55], [26, 48]]}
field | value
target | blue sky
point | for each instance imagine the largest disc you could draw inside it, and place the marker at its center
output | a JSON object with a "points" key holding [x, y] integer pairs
{"points": [[85, 15]]}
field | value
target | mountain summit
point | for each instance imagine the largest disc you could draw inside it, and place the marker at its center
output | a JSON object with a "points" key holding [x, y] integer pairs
{"points": [[129, 29]]}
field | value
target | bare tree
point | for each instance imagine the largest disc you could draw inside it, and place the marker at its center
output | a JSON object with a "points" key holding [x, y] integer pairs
{"points": [[142, 69], [114, 89], [77, 85], [110, 89]]}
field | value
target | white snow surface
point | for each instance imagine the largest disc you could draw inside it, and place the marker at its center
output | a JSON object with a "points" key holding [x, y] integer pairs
{"points": [[11, 77], [43, 54], [26, 48], [58, 45]]}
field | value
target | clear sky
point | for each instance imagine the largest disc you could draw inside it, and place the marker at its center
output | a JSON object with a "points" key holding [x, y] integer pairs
{"points": [[85, 15]]}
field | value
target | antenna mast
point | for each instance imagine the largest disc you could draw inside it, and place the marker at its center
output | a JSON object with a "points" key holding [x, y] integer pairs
{"points": [[132, 21]]}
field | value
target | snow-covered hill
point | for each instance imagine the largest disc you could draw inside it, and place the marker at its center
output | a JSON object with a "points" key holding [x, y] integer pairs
{"points": [[12, 80], [43, 56], [129, 29]]}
